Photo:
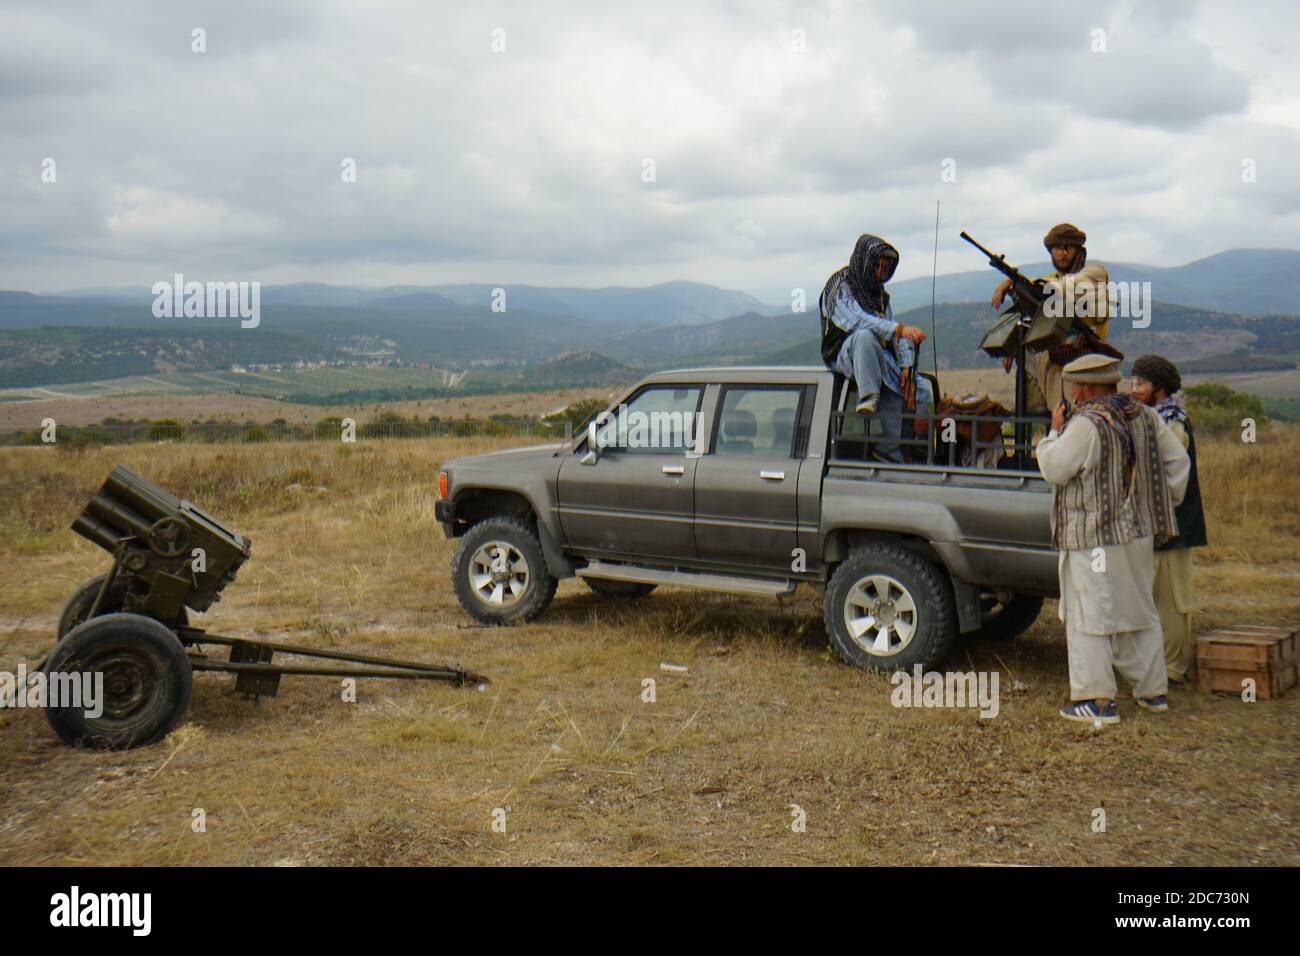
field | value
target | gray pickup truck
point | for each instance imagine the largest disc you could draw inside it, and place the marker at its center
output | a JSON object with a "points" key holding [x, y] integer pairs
{"points": [[751, 481]]}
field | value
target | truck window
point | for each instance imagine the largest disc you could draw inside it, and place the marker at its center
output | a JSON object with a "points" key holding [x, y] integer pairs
{"points": [[757, 421], [658, 420]]}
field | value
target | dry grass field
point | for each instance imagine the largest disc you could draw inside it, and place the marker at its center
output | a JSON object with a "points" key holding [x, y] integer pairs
{"points": [[226, 406], [347, 555]]}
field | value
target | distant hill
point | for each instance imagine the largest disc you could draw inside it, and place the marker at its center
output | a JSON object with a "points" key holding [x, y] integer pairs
{"points": [[100, 333], [668, 303], [578, 369], [1243, 281]]}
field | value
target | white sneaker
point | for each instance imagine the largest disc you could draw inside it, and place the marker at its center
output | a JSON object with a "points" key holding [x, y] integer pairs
{"points": [[867, 406]]}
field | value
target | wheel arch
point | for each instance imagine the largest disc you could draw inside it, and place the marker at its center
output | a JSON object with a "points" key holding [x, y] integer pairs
{"points": [[477, 504], [841, 541]]}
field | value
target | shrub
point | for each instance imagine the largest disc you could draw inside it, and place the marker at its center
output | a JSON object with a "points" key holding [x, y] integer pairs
{"points": [[1216, 408]]}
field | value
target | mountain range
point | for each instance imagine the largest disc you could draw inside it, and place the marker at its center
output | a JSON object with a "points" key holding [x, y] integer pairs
{"points": [[1240, 304]]}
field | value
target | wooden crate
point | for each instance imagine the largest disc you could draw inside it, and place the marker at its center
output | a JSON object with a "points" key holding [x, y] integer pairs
{"points": [[1226, 657]]}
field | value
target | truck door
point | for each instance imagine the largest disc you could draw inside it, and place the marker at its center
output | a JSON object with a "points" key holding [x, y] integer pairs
{"points": [[746, 506], [636, 498]]}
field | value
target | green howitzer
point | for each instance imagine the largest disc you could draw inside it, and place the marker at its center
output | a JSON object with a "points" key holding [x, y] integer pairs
{"points": [[129, 628]]}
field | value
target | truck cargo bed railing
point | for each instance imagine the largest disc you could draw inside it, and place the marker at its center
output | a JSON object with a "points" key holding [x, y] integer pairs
{"points": [[952, 441]]}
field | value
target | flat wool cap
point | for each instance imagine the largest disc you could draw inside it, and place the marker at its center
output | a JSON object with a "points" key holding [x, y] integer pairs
{"points": [[1064, 234], [1093, 369]]}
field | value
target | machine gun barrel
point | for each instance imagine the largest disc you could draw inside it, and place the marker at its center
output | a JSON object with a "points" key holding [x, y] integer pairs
{"points": [[1027, 293]]}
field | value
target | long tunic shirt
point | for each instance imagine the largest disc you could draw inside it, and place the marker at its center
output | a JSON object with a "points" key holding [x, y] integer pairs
{"points": [[1110, 592], [849, 316]]}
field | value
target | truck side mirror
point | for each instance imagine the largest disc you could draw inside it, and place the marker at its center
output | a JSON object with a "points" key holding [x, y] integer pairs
{"points": [[591, 457]]}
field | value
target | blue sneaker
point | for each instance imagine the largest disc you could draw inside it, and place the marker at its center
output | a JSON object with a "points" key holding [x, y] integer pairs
{"points": [[1156, 704], [1086, 711]]}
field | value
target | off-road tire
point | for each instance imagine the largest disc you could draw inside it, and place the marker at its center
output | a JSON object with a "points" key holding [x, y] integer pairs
{"points": [[1004, 622], [912, 582], [538, 587], [624, 590], [74, 612], [146, 685]]}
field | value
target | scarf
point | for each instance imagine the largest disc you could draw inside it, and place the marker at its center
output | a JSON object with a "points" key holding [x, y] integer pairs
{"points": [[1115, 412], [860, 275], [1172, 409]]}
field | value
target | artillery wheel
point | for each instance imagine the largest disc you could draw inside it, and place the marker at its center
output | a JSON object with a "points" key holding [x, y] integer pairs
{"points": [[141, 682], [78, 606]]}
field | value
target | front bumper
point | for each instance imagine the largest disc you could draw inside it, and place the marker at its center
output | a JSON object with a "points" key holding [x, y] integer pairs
{"points": [[445, 511]]}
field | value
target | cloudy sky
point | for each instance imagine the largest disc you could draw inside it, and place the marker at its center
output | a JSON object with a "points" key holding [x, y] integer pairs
{"points": [[777, 131]]}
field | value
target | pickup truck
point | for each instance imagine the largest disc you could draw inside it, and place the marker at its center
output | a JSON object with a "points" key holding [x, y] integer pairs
{"points": [[758, 480]]}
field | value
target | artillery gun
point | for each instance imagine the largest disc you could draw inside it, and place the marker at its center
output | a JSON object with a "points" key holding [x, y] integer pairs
{"points": [[131, 624]]}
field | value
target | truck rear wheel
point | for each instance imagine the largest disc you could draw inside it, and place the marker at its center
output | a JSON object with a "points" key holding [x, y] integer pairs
{"points": [[626, 590], [139, 671], [500, 574], [889, 609]]}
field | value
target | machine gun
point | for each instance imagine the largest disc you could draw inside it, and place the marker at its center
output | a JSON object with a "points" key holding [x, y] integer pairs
{"points": [[130, 626], [1023, 325], [1024, 320]]}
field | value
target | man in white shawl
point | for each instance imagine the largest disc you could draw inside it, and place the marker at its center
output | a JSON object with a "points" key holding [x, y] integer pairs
{"points": [[1118, 473]]}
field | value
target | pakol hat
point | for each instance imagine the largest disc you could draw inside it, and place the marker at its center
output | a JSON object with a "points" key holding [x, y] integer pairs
{"points": [[1093, 369], [1064, 234]]}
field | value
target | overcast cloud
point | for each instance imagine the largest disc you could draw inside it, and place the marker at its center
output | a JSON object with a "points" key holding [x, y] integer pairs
{"points": [[526, 165]]}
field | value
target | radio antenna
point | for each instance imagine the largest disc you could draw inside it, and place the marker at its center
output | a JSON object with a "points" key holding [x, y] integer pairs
{"points": [[934, 269]]}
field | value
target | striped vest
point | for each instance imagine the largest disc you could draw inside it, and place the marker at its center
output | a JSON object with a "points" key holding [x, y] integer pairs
{"points": [[1111, 504]]}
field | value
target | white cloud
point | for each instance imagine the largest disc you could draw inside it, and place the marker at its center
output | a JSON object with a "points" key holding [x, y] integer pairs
{"points": [[526, 165]]}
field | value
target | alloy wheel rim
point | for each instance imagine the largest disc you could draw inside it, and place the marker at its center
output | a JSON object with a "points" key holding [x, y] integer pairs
{"points": [[880, 615], [499, 574]]}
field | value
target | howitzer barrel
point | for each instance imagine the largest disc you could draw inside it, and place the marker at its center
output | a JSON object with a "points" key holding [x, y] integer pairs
{"points": [[174, 552]]}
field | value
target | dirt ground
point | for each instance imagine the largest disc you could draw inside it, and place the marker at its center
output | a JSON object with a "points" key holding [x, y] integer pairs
{"points": [[764, 723]]}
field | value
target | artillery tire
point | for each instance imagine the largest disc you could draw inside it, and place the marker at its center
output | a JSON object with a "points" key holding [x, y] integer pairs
{"points": [[74, 612], [146, 682], [500, 574]]}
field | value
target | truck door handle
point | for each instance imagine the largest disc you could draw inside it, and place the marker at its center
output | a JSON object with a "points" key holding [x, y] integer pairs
{"points": [[674, 470], [772, 475]]}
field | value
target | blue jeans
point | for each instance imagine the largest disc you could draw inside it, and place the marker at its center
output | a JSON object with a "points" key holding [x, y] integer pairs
{"points": [[876, 372]]}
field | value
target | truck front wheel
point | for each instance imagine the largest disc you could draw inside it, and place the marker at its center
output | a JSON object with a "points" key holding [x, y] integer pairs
{"points": [[500, 574], [889, 609]]}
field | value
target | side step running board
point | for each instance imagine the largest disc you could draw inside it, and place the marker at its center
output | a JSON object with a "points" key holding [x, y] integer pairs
{"points": [[685, 579]]}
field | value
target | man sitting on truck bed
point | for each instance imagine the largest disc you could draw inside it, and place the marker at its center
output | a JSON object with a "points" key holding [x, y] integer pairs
{"points": [[861, 340]]}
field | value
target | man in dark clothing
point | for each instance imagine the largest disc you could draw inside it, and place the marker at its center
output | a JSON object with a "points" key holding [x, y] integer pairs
{"points": [[861, 340], [1156, 382]]}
